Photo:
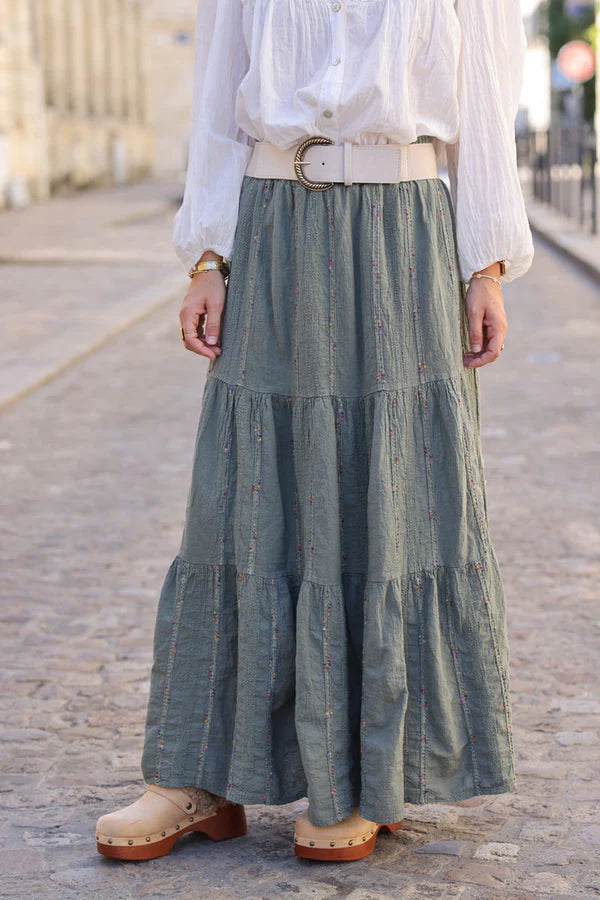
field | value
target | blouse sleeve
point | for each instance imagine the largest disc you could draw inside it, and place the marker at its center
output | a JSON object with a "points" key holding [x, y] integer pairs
{"points": [[491, 219], [219, 150]]}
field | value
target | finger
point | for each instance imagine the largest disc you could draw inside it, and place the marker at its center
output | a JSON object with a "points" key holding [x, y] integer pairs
{"points": [[192, 340], [475, 316], [212, 326], [198, 345], [190, 317], [492, 351]]}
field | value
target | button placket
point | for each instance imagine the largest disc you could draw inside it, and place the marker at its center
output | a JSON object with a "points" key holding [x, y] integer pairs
{"points": [[331, 86]]}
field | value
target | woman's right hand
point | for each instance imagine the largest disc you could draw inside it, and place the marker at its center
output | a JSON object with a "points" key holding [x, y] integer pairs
{"points": [[201, 312]]}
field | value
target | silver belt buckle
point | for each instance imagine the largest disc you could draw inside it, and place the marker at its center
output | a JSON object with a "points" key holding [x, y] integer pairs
{"points": [[299, 162]]}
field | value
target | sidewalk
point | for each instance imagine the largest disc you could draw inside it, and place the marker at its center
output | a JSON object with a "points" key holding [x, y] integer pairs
{"points": [[89, 266], [565, 236]]}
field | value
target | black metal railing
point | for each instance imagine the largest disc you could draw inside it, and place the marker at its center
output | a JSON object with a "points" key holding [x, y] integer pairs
{"points": [[562, 168]]}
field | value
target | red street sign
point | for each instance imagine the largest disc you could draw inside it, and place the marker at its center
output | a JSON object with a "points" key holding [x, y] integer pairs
{"points": [[576, 61]]}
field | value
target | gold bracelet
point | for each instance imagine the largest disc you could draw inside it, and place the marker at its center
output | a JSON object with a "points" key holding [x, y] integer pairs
{"points": [[208, 265], [482, 275]]}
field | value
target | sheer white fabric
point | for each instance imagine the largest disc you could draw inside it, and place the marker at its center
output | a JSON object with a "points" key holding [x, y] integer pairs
{"points": [[368, 71]]}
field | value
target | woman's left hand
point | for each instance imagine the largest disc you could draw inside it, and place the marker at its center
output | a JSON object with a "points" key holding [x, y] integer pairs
{"points": [[487, 322]]}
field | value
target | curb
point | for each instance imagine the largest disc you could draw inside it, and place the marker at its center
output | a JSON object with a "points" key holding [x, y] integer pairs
{"points": [[578, 247], [148, 302]]}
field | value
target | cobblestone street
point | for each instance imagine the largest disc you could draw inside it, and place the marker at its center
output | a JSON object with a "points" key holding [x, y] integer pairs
{"points": [[94, 467]]}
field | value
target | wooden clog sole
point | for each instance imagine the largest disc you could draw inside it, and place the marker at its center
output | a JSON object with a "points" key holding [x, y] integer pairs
{"points": [[228, 822], [344, 851]]}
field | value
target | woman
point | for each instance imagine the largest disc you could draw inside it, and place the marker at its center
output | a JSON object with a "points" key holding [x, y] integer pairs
{"points": [[334, 622]]}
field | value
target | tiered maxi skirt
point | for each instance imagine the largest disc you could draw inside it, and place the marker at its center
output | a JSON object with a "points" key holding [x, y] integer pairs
{"points": [[334, 622]]}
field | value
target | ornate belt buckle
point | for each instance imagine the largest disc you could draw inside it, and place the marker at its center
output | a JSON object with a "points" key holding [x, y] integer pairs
{"points": [[299, 162]]}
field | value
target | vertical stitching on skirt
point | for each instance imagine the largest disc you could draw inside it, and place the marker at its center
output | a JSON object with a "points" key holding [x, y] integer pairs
{"points": [[394, 465], [263, 198], [256, 484], [448, 241], [329, 201], [178, 608], [462, 694], [339, 420], [376, 281], [467, 430], [223, 502], [421, 372], [295, 197], [480, 569], [217, 589], [363, 706], [311, 495], [239, 588], [295, 503], [271, 688], [423, 705], [326, 611]]}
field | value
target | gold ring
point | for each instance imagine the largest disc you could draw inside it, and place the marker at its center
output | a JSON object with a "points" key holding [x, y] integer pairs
{"points": [[182, 333]]}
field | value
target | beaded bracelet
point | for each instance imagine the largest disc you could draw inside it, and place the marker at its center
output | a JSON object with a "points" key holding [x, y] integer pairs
{"points": [[482, 275]]}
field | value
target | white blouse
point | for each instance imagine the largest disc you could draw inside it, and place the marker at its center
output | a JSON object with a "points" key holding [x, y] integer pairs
{"points": [[368, 71]]}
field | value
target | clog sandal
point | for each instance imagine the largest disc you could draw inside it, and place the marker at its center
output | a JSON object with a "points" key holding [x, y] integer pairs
{"points": [[352, 838], [149, 827]]}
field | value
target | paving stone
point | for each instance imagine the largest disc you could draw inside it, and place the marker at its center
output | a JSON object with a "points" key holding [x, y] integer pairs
{"points": [[15, 861], [555, 857], [574, 705], [472, 801], [431, 892], [589, 835], [568, 738], [431, 812], [497, 850], [447, 848], [548, 883], [55, 838], [540, 831], [475, 873], [538, 769]]}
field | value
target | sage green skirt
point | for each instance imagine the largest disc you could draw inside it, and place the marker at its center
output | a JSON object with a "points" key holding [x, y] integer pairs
{"points": [[334, 623]]}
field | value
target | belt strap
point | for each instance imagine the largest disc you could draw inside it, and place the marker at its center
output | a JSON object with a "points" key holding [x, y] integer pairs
{"points": [[347, 162]]}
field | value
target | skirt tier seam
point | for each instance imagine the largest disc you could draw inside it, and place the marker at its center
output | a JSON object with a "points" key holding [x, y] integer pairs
{"points": [[422, 572], [387, 390]]}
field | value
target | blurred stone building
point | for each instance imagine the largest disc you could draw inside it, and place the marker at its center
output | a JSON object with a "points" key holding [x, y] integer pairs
{"points": [[91, 92]]}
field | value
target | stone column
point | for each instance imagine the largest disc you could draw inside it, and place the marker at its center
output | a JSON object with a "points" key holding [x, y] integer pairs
{"points": [[5, 107], [57, 57], [130, 62], [114, 33], [97, 44], [77, 57]]}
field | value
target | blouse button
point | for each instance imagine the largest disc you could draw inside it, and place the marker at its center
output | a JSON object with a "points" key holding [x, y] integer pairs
{"points": [[336, 61], [336, 6], [327, 113]]}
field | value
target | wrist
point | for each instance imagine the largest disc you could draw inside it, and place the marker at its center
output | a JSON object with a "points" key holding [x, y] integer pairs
{"points": [[496, 269], [210, 255]]}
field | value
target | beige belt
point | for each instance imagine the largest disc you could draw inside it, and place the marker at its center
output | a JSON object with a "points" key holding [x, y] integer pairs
{"points": [[317, 162]]}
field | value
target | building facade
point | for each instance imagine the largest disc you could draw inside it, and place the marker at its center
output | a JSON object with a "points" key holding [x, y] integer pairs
{"points": [[170, 78], [74, 105]]}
